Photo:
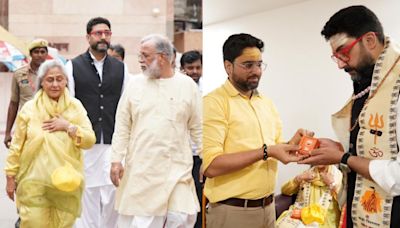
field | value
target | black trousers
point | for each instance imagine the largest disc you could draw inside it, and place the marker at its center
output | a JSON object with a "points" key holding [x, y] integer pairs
{"points": [[199, 186]]}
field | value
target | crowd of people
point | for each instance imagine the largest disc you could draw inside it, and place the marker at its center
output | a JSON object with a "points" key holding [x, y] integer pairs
{"points": [[94, 146]]}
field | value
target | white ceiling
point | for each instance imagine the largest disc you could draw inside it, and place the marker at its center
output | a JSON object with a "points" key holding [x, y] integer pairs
{"points": [[215, 11]]}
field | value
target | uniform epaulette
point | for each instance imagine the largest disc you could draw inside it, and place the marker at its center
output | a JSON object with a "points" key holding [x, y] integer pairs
{"points": [[23, 69]]}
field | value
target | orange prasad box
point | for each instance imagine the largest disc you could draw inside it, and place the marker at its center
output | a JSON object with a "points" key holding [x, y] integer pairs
{"points": [[307, 144]]}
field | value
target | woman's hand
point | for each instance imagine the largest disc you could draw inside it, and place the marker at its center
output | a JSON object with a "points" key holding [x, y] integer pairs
{"points": [[11, 186], [327, 178], [55, 124], [307, 176]]}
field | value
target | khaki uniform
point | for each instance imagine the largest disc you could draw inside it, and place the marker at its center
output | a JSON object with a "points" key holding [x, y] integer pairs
{"points": [[23, 85]]}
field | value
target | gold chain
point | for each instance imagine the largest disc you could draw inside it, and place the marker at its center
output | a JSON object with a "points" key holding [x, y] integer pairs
{"points": [[373, 94]]}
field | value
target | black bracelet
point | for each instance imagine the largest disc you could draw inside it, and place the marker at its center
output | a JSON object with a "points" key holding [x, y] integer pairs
{"points": [[345, 157], [265, 156]]}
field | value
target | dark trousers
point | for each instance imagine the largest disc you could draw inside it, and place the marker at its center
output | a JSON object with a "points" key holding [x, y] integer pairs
{"points": [[199, 186]]}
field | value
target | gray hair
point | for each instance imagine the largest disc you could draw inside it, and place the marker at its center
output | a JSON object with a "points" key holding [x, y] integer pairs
{"points": [[161, 43], [45, 67]]}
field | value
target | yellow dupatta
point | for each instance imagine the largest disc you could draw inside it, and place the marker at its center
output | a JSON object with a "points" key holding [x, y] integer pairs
{"points": [[41, 153]]}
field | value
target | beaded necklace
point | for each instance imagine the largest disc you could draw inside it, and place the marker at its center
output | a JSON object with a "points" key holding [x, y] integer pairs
{"points": [[361, 94]]}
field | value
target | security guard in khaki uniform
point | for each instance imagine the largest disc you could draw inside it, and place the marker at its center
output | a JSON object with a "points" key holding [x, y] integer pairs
{"points": [[23, 84]]}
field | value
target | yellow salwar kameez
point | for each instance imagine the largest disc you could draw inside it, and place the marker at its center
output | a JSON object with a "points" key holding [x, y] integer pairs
{"points": [[317, 188], [35, 154]]}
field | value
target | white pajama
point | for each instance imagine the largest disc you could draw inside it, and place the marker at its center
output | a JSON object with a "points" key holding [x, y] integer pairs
{"points": [[171, 220], [95, 214], [99, 195]]}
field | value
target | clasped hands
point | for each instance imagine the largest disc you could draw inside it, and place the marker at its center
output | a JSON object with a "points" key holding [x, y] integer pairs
{"points": [[309, 176]]}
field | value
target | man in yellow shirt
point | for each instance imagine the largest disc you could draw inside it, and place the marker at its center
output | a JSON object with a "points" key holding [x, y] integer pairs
{"points": [[241, 135]]}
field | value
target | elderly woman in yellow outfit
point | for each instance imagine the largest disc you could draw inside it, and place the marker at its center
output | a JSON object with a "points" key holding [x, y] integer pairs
{"points": [[316, 203], [44, 166]]}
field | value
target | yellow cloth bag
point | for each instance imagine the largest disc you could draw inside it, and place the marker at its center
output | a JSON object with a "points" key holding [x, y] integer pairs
{"points": [[66, 178], [313, 213]]}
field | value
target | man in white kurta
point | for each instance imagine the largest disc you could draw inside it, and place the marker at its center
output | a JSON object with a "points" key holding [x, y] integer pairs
{"points": [[157, 114]]}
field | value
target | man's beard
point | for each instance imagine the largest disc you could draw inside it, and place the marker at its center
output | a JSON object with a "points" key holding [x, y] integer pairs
{"points": [[246, 85], [153, 70], [195, 77], [364, 69], [100, 49]]}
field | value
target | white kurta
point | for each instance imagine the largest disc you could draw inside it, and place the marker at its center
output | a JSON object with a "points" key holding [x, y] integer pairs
{"points": [[155, 120]]}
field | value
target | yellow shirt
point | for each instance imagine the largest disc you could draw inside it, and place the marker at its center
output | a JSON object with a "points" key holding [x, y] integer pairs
{"points": [[235, 123]]}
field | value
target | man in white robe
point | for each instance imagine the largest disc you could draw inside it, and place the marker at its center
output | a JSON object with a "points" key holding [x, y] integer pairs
{"points": [[157, 114]]}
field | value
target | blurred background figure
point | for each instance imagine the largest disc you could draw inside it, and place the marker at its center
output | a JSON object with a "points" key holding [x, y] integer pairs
{"points": [[191, 65], [117, 51]]}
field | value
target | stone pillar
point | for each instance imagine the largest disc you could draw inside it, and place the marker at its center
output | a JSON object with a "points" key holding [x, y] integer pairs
{"points": [[4, 13]]}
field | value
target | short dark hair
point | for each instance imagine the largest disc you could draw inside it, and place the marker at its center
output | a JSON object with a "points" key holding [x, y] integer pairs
{"points": [[234, 45], [190, 57], [119, 49], [95, 21], [353, 21]]}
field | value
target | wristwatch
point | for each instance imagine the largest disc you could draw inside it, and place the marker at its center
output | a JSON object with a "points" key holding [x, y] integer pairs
{"points": [[345, 157], [71, 129], [343, 162]]}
